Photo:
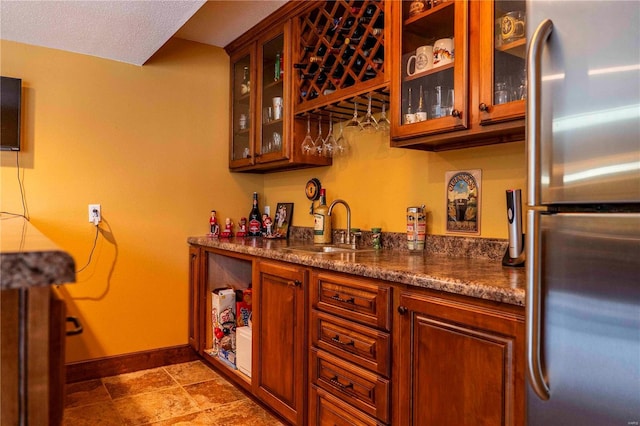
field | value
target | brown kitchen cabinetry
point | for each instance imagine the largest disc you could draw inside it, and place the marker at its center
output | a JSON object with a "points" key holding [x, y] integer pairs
{"points": [[350, 350], [450, 100], [263, 137], [459, 362], [211, 269], [334, 348], [280, 353]]}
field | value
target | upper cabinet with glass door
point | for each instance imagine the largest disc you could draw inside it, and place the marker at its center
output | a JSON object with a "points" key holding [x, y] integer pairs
{"points": [[503, 86], [241, 152], [476, 97], [271, 100], [430, 67], [264, 137]]}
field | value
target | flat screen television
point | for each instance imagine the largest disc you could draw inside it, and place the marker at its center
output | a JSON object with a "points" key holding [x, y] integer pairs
{"points": [[10, 99]]}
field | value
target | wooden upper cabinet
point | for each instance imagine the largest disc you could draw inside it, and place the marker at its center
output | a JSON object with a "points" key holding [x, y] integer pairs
{"points": [[263, 135], [502, 76], [430, 68], [243, 76], [477, 98]]}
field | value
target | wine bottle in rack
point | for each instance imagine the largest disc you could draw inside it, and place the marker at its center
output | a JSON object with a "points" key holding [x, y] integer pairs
{"points": [[369, 42], [299, 66], [358, 64], [322, 77], [379, 24], [321, 50], [369, 11], [347, 54], [338, 72], [348, 23], [307, 76]]}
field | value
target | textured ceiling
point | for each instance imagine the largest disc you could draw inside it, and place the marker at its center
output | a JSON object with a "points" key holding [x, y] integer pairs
{"points": [[128, 31]]}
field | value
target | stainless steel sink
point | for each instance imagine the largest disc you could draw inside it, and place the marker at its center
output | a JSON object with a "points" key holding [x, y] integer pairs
{"points": [[321, 249]]}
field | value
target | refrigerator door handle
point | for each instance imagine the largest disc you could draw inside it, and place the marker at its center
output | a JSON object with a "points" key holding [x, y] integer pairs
{"points": [[533, 122], [533, 309]]}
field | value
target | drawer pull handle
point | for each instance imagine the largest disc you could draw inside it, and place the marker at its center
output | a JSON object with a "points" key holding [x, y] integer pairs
{"points": [[337, 298], [335, 381], [337, 340]]}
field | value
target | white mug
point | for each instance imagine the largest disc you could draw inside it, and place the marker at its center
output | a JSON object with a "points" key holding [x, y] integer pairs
{"points": [[442, 52], [423, 60], [277, 108]]}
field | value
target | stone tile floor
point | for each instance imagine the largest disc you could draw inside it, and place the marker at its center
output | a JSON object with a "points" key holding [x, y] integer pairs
{"points": [[180, 394]]}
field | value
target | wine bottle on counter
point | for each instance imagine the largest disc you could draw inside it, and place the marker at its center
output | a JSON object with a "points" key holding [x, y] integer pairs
{"points": [[255, 219], [322, 221]]}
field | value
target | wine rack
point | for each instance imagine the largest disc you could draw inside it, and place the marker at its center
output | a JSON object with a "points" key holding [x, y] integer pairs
{"points": [[340, 57]]}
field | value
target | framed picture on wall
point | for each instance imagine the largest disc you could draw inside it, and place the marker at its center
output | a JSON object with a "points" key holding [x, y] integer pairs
{"points": [[282, 220], [463, 190]]}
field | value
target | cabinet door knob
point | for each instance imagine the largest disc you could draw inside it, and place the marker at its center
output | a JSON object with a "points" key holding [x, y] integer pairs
{"points": [[297, 283], [484, 107], [456, 113], [402, 310]]}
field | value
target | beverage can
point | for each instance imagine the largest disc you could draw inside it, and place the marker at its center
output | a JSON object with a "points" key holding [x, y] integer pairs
{"points": [[416, 227]]}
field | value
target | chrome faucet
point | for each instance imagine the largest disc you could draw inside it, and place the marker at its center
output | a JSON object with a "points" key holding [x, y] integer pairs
{"points": [[352, 239]]}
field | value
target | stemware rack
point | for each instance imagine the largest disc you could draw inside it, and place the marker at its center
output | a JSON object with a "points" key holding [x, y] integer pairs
{"points": [[339, 58]]}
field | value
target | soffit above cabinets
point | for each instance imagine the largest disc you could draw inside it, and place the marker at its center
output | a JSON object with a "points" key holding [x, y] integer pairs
{"points": [[127, 31]]}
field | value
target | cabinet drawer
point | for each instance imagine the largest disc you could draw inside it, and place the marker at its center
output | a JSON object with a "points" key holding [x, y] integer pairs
{"points": [[363, 301], [356, 386], [326, 409], [361, 345]]}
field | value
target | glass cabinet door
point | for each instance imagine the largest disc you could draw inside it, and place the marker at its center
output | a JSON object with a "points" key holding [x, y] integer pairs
{"points": [[431, 95], [242, 150], [271, 110], [503, 87]]}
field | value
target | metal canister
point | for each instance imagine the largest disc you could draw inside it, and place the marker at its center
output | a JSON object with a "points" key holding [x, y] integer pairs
{"points": [[416, 227]]}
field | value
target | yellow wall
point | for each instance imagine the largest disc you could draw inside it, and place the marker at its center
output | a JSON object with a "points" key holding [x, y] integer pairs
{"points": [[150, 145], [380, 182]]}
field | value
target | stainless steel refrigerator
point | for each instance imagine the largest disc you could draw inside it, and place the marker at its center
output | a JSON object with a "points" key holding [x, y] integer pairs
{"points": [[583, 218]]}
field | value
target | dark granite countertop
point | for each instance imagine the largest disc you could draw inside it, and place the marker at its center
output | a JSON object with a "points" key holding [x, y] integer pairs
{"points": [[30, 259], [482, 277]]}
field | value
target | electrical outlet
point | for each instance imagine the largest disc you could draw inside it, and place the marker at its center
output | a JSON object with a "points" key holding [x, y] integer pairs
{"points": [[95, 214]]}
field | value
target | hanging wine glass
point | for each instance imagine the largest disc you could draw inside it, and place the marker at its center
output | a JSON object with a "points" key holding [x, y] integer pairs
{"points": [[319, 140], [329, 142], [341, 145], [368, 123], [308, 147], [384, 125], [353, 127]]}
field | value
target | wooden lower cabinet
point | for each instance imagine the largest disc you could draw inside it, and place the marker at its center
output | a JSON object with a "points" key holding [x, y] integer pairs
{"points": [[279, 356], [349, 350], [458, 362], [335, 349]]}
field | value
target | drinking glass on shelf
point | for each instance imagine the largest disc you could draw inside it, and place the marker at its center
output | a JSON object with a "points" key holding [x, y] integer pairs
{"points": [[353, 126], [447, 103], [384, 125], [368, 123], [329, 142], [501, 95], [319, 140], [308, 147]]}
